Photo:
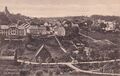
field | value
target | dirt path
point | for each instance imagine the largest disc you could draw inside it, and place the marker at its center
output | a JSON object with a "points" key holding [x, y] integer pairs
{"points": [[73, 67]]}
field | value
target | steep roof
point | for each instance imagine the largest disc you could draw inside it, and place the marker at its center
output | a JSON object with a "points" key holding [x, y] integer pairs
{"points": [[23, 26]]}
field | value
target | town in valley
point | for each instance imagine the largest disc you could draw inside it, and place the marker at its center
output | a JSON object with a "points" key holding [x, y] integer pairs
{"points": [[59, 46]]}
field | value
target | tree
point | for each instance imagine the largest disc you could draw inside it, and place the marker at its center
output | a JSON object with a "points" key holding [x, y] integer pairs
{"points": [[103, 25], [28, 38], [114, 55], [2, 38], [39, 73]]}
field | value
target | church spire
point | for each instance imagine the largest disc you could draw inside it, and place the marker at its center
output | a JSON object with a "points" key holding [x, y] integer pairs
{"points": [[6, 11]]}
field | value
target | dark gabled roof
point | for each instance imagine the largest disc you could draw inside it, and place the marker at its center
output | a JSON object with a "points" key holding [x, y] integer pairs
{"points": [[50, 52]]}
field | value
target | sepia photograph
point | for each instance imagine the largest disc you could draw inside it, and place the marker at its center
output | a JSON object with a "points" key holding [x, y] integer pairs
{"points": [[59, 37]]}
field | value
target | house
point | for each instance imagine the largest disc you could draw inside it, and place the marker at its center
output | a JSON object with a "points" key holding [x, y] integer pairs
{"points": [[110, 25], [59, 31], [37, 30], [8, 30], [23, 29], [49, 54], [12, 30], [75, 25], [47, 24], [4, 30], [67, 23]]}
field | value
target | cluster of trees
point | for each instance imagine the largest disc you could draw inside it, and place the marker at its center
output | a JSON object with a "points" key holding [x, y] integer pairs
{"points": [[3, 19], [106, 18], [12, 18]]}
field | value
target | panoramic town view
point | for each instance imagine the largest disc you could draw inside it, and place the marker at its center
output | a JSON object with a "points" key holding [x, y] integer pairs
{"points": [[59, 46]]}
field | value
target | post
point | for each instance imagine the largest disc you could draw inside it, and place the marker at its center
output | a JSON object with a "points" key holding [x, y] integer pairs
{"points": [[15, 57]]}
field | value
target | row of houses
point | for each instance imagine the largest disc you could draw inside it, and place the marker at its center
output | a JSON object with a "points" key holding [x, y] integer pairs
{"points": [[35, 30], [22, 30], [13, 29]]}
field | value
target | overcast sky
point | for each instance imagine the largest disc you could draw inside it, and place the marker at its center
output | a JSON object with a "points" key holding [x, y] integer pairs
{"points": [[53, 8]]}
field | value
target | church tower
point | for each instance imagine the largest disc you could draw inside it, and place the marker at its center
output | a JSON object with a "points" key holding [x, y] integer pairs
{"points": [[6, 11]]}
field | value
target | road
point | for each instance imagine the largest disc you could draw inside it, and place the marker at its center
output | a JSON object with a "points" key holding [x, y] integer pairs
{"points": [[73, 67], [91, 62]]}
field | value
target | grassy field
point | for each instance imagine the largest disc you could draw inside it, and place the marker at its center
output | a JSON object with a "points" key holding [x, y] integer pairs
{"points": [[114, 37]]}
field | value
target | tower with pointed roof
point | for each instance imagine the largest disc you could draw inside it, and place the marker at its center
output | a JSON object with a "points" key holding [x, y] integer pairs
{"points": [[6, 11]]}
